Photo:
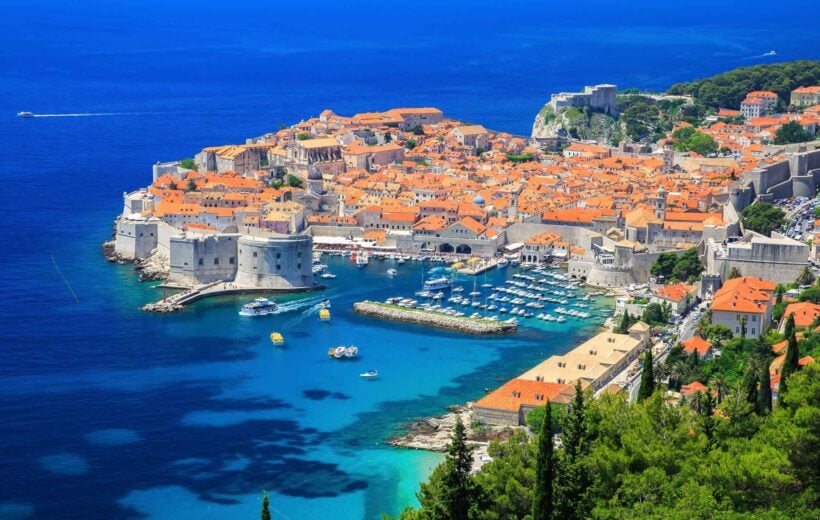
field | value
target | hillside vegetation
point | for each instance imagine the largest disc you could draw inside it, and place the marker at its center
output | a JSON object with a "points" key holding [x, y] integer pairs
{"points": [[728, 89]]}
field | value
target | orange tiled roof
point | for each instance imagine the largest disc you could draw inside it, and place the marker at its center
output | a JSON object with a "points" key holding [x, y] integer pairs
{"points": [[517, 392], [804, 313]]}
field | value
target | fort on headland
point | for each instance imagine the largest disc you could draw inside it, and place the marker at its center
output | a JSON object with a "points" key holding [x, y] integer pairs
{"points": [[248, 216]]}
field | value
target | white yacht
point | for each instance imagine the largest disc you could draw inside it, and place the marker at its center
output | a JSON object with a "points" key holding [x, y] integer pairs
{"points": [[258, 307]]}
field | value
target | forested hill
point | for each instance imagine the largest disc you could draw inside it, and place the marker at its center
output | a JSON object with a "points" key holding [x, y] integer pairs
{"points": [[727, 90]]}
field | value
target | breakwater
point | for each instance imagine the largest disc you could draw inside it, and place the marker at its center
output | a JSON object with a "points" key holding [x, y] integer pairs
{"points": [[431, 319]]}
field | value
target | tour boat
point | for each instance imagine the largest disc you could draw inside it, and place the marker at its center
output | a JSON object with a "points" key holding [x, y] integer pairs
{"points": [[503, 263], [362, 259], [258, 307], [277, 339], [370, 374], [324, 315], [25, 114], [437, 284]]}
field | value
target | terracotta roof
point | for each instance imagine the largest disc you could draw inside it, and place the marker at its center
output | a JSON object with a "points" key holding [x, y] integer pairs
{"points": [[517, 392], [693, 388], [698, 344], [804, 313]]}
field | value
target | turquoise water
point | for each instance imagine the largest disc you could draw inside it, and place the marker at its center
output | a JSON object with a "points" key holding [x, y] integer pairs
{"points": [[109, 412]]}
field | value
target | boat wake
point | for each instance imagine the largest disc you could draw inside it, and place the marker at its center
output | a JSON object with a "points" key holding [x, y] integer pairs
{"points": [[95, 114]]}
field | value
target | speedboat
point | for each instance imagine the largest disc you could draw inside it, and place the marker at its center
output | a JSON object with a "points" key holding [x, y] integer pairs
{"points": [[25, 114], [258, 307], [327, 275], [503, 263], [392, 272], [324, 304], [370, 374]]}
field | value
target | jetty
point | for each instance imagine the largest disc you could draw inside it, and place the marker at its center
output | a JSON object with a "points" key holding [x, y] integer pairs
{"points": [[479, 267], [463, 324], [188, 295]]}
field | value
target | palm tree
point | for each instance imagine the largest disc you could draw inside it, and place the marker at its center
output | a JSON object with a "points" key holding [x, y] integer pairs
{"points": [[806, 277], [678, 372], [718, 383], [695, 402]]}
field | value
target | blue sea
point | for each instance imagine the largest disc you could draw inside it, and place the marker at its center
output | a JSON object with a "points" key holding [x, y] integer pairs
{"points": [[109, 412]]}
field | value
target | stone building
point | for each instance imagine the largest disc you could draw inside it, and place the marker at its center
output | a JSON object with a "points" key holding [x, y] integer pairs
{"points": [[280, 262], [198, 258], [779, 258], [602, 97]]}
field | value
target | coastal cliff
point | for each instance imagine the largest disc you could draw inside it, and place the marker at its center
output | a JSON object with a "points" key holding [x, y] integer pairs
{"points": [[578, 123], [154, 267]]}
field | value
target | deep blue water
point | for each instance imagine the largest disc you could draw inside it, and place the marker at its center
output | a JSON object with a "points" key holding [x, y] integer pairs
{"points": [[109, 412]]}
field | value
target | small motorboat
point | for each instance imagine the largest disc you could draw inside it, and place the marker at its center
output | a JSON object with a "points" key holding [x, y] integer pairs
{"points": [[327, 275], [392, 272], [324, 314], [25, 114], [277, 339], [370, 374], [324, 304]]}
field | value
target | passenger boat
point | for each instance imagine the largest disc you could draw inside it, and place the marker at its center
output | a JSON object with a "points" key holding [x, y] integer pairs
{"points": [[324, 314], [370, 374], [503, 263], [362, 259], [258, 307], [437, 284], [277, 339]]}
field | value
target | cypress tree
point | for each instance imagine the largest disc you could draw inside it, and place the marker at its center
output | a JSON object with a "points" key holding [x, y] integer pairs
{"points": [[265, 506], [788, 330], [750, 385], [624, 325], [792, 360], [647, 385], [574, 482], [544, 471], [707, 418], [764, 395]]}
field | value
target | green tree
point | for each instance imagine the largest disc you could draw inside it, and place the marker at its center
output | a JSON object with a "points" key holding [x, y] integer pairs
{"points": [[188, 164], [265, 506], [574, 482], [792, 132], [626, 322], [509, 478], [701, 143], [764, 394], [806, 277], [812, 294], [542, 502], [791, 363], [762, 217], [450, 492], [647, 385], [294, 181], [417, 130], [411, 143], [653, 314], [191, 185], [734, 272]]}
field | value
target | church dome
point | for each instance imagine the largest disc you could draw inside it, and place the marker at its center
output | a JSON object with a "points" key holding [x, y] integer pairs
{"points": [[478, 200], [315, 175]]}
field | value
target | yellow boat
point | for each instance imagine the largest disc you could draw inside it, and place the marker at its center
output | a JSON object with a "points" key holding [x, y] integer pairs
{"points": [[324, 315], [457, 265], [277, 339], [473, 260]]}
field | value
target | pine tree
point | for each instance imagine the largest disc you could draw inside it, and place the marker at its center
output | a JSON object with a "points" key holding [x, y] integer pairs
{"points": [[707, 419], [750, 385], [544, 471], [265, 506], [451, 491], [764, 394], [647, 385]]}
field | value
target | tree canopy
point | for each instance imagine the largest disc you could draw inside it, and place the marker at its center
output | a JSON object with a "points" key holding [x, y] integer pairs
{"points": [[688, 139], [762, 217], [727, 90], [792, 132], [675, 267]]}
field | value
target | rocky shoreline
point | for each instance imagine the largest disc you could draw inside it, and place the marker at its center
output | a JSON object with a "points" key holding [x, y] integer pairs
{"points": [[434, 433], [419, 317], [155, 267]]}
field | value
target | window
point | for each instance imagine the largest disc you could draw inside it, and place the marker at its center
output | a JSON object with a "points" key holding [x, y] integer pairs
{"points": [[299, 254], [201, 261], [754, 318], [278, 255], [254, 254], [299, 265], [216, 261], [737, 330], [278, 267], [231, 260], [753, 331]]}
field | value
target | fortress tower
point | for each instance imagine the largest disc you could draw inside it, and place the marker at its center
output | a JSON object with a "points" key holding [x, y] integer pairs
{"points": [[658, 203]]}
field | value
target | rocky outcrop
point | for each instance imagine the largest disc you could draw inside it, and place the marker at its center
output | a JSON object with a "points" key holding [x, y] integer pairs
{"points": [[435, 433], [576, 123], [110, 252], [162, 307], [432, 319], [155, 267]]}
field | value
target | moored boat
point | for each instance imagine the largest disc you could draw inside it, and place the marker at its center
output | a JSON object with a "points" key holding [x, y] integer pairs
{"points": [[277, 339]]}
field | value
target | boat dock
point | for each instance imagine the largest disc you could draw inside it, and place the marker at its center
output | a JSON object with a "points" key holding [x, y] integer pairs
{"points": [[479, 267], [432, 319], [178, 301]]}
